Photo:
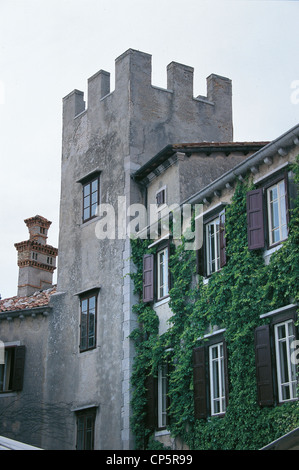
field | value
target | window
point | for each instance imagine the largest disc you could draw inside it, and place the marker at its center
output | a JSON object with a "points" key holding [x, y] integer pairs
{"points": [[268, 212], [85, 429], [212, 255], [162, 396], [88, 321], [162, 273], [217, 379], [157, 397], [277, 212], [156, 278], [34, 256], [12, 370], [161, 197], [276, 368], [213, 246], [91, 198], [210, 379], [286, 369]]}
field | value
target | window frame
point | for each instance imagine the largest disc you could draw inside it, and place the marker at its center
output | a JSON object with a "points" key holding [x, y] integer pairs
{"points": [[268, 381], [161, 197], [202, 376], [216, 246], [151, 275], [292, 372], [267, 187], [7, 375], [16, 355], [85, 183], [165, 270], [263, 226], [203, 254], [86, 297], [220, 370], [163, 399], [85, 414]]}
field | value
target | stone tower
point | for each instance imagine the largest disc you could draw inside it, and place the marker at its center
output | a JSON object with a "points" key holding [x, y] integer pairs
{"points": [[36, 259], [102, 144]]}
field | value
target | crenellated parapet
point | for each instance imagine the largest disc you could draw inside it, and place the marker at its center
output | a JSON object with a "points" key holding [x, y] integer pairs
{"points": [[164, 115]]}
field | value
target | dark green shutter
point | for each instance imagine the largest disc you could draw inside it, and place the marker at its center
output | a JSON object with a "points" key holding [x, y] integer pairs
{"points": [[200, 261], [18, 370], [263, 366], [151, 385]]}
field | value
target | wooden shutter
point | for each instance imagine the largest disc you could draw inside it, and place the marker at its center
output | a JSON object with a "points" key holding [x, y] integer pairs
{"points": [[222, 239], [255, 219], [263, 366], [148, 278], [151, 385], [292, 191], [200, 262], [199, 383], [18, 370]]}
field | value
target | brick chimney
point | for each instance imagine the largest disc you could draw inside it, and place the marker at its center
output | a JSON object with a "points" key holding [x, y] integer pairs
{"points": [[36, 259]]}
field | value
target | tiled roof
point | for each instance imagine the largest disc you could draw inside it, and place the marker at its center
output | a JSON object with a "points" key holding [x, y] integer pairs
{"points": [[38, 299]]}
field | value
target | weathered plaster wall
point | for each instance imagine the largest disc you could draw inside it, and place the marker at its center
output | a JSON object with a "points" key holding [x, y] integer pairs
{"points": [[114, 134]]}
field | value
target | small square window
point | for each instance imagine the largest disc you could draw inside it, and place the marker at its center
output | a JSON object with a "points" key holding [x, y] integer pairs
{"points": [[161, 197]]}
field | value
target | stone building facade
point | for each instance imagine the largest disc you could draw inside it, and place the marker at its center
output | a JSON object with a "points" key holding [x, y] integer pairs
{"points": [[121, 149], [103, 144]]}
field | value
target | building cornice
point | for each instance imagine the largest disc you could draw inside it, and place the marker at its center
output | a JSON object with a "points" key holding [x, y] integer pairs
{"points": [[281, 146], [34, 245], [170, 154], [10, 315]]}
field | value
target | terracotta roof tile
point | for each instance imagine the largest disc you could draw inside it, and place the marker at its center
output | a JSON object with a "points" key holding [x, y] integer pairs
{"points": [[38, 299]]}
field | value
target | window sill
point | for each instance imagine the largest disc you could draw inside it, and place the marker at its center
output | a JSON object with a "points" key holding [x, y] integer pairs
{"points": [[162, 301], [85, 223], [291, 400], [162, 432], [8, 394], [271, 250], [89, 350], [218, 415]]}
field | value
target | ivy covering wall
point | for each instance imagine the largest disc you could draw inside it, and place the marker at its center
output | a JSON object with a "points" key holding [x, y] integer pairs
{"points": [[234, 299]]}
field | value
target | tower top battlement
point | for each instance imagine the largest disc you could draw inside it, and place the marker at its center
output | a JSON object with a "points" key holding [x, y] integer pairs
{"points": [[133, 77]]}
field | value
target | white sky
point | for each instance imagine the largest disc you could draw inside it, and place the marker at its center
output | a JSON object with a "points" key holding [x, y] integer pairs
{"points": [[50, 47]]}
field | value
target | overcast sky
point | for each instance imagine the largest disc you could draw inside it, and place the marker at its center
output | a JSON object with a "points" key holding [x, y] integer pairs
{"points": [[50, 47]]}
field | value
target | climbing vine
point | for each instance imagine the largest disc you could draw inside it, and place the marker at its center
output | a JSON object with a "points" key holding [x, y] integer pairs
{"points": [[234, 298]]}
